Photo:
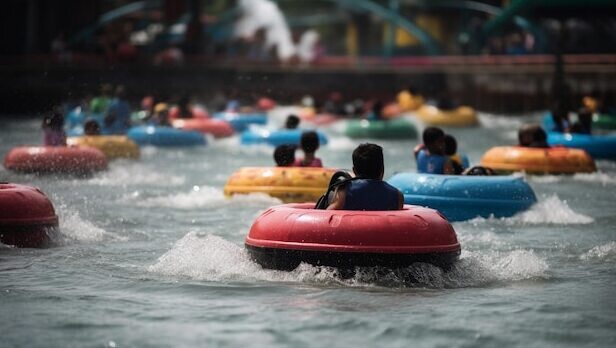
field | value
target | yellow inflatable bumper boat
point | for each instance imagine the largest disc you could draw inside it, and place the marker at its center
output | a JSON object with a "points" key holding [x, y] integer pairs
{"points": [[463, 116], [113, 146], [555, 160], [409, 102], [289, 184]]}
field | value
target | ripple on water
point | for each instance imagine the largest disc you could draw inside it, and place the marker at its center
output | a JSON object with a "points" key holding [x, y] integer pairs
{"points": [[597, 178], [551, 210], [548, 210], [204, 196], [125, 174], [212, 258], [605, 252]]}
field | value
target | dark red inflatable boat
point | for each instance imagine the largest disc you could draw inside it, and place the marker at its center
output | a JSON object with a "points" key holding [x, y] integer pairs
{"points": [[27, 217], [286, 235]]}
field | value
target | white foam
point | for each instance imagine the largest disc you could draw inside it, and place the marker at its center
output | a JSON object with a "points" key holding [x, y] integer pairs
{"points": [[74, 228], [125, 174], [603, 252], [212, 258], [551, 210], [596, 178], [206, 196], [494, 121], [475, 237], [512, 265], [545, 179]]}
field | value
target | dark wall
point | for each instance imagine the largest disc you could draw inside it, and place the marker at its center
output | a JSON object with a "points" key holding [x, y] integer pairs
{"points": [[512, 90], [29, 26]]}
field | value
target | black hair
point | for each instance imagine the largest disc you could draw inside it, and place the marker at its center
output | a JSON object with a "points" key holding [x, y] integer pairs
{"points": [[539, 135], [284, 155], [309, 141], [292, 122], [54, 121], [120, 91], [368, 161], [431, 134], [91, 127], [451, 146]]}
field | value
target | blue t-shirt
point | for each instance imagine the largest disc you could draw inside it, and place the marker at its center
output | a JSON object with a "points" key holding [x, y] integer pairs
{"points": [[369, 194], [430, 164]]}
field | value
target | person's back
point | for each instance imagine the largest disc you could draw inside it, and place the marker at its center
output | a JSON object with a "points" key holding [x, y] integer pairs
{"points": [[431, 159], [118, 114], [368, 191], [584, 122], [371, 194]]}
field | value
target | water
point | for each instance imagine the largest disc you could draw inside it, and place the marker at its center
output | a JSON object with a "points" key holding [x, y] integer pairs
{"points": [[151, 254]]}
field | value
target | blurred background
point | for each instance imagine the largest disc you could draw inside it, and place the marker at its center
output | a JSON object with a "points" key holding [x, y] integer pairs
{"points": [[507, 56]]}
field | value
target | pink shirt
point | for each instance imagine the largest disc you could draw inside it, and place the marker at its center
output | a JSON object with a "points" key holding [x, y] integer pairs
{"points": [[316, 162]]}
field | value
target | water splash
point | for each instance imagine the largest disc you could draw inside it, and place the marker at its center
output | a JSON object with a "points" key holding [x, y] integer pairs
{"points": [[605, 252], [206, 196], [551, 210], [596, 178], [211, 258], [125, 174], [495, 121], [75, 228]]}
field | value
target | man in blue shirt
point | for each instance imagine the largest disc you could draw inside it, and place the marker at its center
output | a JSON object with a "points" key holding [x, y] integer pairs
{"points": [[367, 191], [117, 120]]}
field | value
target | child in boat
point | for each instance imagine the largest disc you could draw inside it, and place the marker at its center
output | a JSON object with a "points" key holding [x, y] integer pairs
{"points": [[310, 144], [161, 115], [91, 127], [367, 191], [53, 130], [117, 120], [99, 104], [284, 155], [451, 150], [561, 120], [532, 135], [583, 125], [292, 122], [430, 155]]}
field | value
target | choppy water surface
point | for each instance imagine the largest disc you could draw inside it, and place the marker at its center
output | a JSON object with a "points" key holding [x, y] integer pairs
{"points": [[151, 254]]}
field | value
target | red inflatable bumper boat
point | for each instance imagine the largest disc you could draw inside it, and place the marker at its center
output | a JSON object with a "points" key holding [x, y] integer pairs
{"points": [[286, 235], [27, 217], [55, 159], [218, 128]]}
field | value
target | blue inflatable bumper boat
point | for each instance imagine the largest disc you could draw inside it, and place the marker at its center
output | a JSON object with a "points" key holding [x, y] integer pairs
{"points": [[276, 137], [165, 136], [597, 146], [461, 197], [241, 122]]}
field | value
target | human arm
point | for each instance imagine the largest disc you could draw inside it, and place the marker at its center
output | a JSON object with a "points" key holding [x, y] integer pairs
{"points": [[418, 148], [338, 199], [448, 167]]}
